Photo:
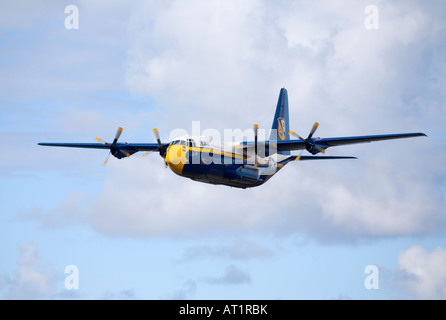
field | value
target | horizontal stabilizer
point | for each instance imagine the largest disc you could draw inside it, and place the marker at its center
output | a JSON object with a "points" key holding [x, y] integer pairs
{"points": [[302, 158]]}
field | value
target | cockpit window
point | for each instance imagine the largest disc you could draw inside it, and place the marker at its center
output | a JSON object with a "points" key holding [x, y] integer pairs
{"points": [[203, 143], [189, 142]]}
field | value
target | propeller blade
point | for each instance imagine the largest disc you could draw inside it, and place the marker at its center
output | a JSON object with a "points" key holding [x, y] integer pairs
{"points": [[118, 134], [161, 149], [106, 159], [157, 136], [313, 130], [300, 155], [101, 141], [319, 148], [125, 154], [296, 135]]}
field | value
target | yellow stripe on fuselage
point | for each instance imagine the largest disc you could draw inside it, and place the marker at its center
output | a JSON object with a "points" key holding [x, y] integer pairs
{"points": [[218, 152]]}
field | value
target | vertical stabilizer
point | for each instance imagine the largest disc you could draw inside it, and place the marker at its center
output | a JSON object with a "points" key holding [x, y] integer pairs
{"points": [[281, 126]]}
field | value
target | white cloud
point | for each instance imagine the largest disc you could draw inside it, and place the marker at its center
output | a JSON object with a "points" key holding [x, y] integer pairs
{"points": [[191, 48], [68, 212], [187, 290], [239, 250], [221, 59], [126, 294], [144, 199], [232, 275], [30, 280], [379, 207], [422, 273]]}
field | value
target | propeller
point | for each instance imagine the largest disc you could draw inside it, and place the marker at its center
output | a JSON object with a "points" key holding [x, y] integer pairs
{"points": [[161, 149], [113, 146], [123, 150], [310, 145]]}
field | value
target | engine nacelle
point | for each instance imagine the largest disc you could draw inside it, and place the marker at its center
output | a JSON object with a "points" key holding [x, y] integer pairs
{"points": [[122, 151], [314, 147]]}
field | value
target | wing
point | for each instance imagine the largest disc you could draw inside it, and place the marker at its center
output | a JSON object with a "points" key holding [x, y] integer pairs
{"points": [[76, 145], [286, 145], [118, 150], [122, 146]]}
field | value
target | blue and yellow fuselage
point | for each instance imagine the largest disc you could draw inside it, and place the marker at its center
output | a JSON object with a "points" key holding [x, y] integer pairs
{"points": [[215, 166]]}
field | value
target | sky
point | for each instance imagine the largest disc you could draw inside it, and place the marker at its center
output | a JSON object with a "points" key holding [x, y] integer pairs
{"points": [[372, 228]]}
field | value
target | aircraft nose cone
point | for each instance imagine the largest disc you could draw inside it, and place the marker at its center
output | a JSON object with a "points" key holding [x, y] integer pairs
{"points": [[176, 158]]}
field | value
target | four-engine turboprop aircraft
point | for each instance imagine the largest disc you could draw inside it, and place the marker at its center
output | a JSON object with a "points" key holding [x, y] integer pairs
{"points": [[243, 165]]}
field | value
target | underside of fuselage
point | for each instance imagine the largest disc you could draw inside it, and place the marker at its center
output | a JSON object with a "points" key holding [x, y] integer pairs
{"points": [[234, 175]]}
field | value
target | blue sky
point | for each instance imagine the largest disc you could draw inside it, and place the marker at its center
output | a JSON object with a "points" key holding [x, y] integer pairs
{"points": [[136, 230]]}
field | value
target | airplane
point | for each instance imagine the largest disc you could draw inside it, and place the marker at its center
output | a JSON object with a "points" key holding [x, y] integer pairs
{"points": [[243, 165]]}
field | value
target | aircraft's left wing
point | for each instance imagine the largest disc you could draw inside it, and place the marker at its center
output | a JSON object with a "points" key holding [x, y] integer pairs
{"points": [[324, 143], [119, 150], [131, 146]]}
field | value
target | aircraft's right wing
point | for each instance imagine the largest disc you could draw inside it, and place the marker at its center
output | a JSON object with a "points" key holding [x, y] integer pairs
{"points": [[324, 143]]}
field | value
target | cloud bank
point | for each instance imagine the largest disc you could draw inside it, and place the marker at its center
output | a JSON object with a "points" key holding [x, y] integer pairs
{"points": [[422, 273]]}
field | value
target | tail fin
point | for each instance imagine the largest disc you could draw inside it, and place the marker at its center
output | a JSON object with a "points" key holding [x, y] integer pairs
{"points": [[281, 125]]}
